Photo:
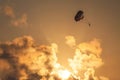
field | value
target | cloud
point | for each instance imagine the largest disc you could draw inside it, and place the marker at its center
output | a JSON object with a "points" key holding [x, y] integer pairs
{"points": [[4, 67], [86, 60], [9, 11], [94, 47], [70, 40], [14, 20], [23, 59], [20, 21]]}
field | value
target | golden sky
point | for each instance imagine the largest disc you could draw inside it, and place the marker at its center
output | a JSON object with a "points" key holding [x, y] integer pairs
{"points": [[49, 21]]}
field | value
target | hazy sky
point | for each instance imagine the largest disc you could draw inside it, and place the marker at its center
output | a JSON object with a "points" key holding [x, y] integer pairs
{"points": [[51, 20]]}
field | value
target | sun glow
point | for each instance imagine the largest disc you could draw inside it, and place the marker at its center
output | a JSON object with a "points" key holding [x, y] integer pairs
{"points": [[64, 74], [40, 62]]}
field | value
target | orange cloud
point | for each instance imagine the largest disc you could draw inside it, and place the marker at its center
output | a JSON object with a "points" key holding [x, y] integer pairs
{"points": [[22, 59], [70, 40], [20, 21], [15, 21], [9, 11]]}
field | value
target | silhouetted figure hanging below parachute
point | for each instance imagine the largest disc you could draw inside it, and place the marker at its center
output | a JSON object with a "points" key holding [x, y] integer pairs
{"points": [[80, 16]]}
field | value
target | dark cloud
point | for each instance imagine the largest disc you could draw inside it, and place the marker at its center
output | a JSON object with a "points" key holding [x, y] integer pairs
{"points": [[13, 54]]}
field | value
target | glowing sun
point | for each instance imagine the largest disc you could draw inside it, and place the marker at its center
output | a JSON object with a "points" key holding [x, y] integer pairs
{"points": [[64, 74]]}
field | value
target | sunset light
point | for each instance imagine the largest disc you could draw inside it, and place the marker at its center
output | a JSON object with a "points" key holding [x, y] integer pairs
{"points": [[59, 39], [64, 74]]}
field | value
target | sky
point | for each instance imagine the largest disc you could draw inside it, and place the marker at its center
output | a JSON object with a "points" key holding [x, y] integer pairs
{"points": [[49, 21]]}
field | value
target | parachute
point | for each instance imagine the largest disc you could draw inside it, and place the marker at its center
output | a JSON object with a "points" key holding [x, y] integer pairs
{"points": [[80, 16]]}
